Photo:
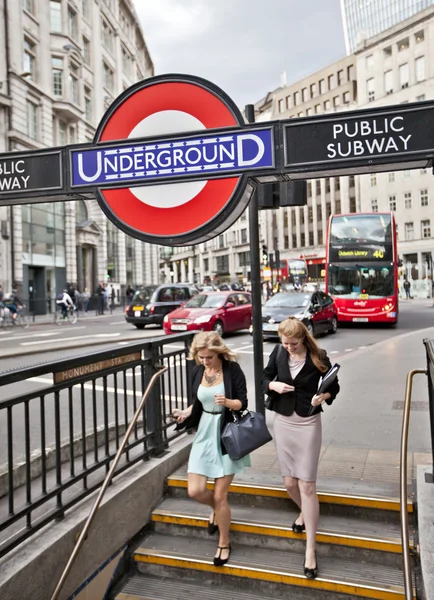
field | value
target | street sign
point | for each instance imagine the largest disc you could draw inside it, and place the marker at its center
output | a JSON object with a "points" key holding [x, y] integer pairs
{"points": [[23, 173], [178, 213], [377, 139]]}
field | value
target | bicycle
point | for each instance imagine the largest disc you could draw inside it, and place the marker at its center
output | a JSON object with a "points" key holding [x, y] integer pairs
{"points": [[7, 320], [71, 316]]}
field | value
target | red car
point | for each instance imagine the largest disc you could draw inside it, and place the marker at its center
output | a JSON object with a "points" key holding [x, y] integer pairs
{"points": [[213, 311]]}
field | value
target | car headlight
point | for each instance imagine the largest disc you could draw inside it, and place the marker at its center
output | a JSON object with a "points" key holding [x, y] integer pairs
{"points": [[202, 319], [300, 315], [166, 319]]}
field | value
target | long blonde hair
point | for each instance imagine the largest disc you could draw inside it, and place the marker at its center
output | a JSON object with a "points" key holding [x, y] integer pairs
{"points": [[293, 328], [209, 340]]}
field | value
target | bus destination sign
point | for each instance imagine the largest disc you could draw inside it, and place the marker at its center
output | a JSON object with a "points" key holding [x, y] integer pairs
{"points": [[349, 253]]}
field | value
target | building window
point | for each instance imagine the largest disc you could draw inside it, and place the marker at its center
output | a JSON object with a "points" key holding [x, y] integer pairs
{"points": [[419, 36], [424, 197], [244, 259], [304, 94], [281, 105], [296, 98], [301, 217], [320, 236], [407, 200], [309, 112], [353, 208], [57, 75], [318, 187], [373, 180], [332, 82], [244, 236], [127, 64], [32, 120], [403, 75], [322, 87], [347, 97], [288, 102], [72, 23], [351, 181], [313, 90], [286, 241], [327, 105], [29, 6], [300, 114], [420, 68], [206, 264], [338, 206], [388, 82], [222, 263], [310, 214], [350, 73], [409, 231], [391, 177], [374, 205], [302, 240], [221, 241], [63, 140], [72, 135], [317, 108], [88, 103], [109, 78], [387, 51], [336, 101], [85, 9], [406, 174], [56, 16], [86, 51], [370, 61], [403, 44], [107, 36], [73, 83], [392, 203], [426, 228], [420, 98], [29, 59], [370, 88], [340, 77]]}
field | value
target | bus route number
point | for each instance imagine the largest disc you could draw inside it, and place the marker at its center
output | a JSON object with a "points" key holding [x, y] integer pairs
{"points": [[379, 254]]}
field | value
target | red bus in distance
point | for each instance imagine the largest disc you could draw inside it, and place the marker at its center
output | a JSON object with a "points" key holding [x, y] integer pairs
{"points": [[362, 267]]}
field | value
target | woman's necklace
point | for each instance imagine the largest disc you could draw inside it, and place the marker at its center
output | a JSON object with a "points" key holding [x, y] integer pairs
{"points": [[212, 379]]}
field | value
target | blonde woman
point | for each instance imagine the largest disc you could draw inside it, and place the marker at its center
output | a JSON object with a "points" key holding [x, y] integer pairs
{"points": [[218, 387], [292, 375]]}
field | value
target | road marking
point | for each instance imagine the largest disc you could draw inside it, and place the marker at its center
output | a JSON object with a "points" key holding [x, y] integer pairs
{"points": [[117, 323], [26, 336], [334, 352], [348, 349], [78, 337]]}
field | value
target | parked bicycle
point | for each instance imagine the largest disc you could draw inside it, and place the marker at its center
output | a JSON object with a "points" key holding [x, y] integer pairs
{"points": [[7, 318], [71, 316]]}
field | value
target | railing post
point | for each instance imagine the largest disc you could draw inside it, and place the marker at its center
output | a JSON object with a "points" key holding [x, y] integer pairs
{"points": [[154, 415], [429, 347]]}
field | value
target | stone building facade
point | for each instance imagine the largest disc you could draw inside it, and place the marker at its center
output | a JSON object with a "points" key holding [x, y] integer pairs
{"points": [[62, 63]]}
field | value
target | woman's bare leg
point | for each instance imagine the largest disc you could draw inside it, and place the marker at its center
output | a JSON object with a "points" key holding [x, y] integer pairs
{"points": [[310, 508], [223, 512], [291, 485]]}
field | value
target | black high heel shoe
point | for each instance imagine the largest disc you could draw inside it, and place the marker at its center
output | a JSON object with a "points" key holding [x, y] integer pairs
{"points": [[212, 525], [311, 573], [218, 561], [297, 527]]}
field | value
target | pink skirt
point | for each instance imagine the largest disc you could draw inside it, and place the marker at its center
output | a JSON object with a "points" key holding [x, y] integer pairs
{"points": [[298, 445]]}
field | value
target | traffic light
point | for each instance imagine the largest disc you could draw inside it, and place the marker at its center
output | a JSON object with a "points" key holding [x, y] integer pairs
{"points": [[271, 260], [264, 255], [287, 193]]}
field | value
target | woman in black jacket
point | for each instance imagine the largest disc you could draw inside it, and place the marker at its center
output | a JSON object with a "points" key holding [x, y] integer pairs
{"points": [[218, 388], [291, 379]]}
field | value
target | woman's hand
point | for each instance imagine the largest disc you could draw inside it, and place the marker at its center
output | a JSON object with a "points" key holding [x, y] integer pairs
{"points": [[179, 415], [280, 387], [319, 399], [220, 399]]}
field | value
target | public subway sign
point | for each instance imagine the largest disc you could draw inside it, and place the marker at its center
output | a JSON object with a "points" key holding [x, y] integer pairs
{"points": [[374, 138], [173, 161], [21, 172], [179, 158]]}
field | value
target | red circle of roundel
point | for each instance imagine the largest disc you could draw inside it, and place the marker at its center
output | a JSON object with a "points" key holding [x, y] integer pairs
{"points": [[208, 109]]}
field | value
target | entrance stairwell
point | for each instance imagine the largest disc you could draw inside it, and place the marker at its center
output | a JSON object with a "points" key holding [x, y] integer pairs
{"points": [[358, 552]]}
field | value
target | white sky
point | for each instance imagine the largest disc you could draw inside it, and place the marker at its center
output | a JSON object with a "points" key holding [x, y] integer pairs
{"points": [[242, 45]]}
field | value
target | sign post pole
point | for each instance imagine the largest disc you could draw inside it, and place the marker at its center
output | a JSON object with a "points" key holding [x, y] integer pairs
{"points": [[255, 278]]}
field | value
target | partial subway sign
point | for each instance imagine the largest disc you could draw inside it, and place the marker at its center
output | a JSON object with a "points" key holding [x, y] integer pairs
{"points": [[21, 173], [387, 134], [201, 156]]}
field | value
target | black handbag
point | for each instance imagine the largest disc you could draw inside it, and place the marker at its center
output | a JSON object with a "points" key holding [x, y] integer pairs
{"points": [[245, 434]]}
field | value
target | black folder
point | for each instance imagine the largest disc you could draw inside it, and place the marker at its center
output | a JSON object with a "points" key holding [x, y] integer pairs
{"points": [[328, 378]]}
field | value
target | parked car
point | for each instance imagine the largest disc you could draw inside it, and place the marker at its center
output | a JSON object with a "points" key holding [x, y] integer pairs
{"points": [[150, 304], [316, 310], [213, 311]]}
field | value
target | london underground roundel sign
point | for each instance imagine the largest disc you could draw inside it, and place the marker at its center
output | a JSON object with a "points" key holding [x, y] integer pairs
{"points": [[179, 213]]}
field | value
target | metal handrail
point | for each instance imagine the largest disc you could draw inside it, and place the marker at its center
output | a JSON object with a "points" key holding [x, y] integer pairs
{"points": [[83, 534], [408, 581]]}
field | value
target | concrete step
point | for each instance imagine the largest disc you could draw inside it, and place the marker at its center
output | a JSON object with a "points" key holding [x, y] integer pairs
{"points": [[271, 528], [268, 572], [371, 507]]}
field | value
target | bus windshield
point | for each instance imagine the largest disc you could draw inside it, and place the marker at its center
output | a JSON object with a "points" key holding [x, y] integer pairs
{"points": [[352, 281]]}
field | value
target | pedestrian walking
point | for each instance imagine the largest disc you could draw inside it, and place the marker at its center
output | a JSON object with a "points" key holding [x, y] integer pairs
{"points": [[291, 379], [218, 387], [112, 297], [407, 287], [85, 299], [100, 297]]}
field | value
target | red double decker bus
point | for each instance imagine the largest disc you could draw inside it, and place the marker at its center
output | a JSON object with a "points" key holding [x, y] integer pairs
{"points": [[362, 267]]}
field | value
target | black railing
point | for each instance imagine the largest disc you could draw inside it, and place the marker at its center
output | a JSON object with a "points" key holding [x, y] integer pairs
{"points": [[60, 436], [429, 347]]}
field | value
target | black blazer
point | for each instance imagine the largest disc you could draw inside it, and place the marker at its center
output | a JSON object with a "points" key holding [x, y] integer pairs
{"points": [[305, 383], [235, 389]]}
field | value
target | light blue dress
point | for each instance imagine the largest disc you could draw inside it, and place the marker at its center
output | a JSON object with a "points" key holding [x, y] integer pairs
{"points": [[206, 456]]}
